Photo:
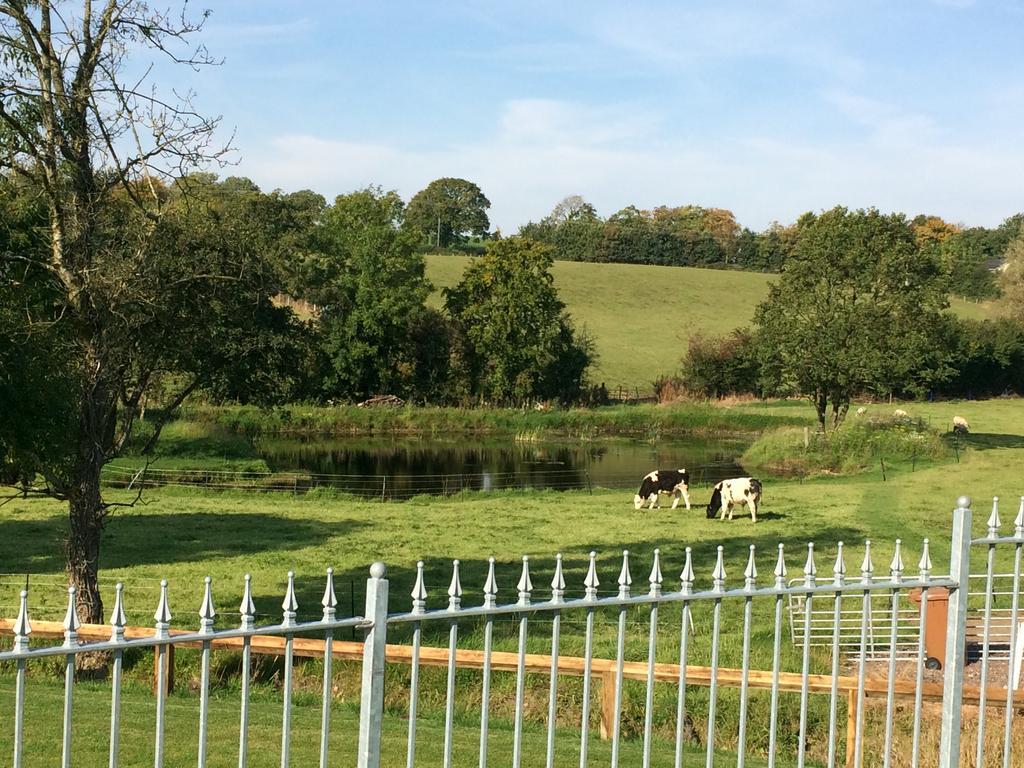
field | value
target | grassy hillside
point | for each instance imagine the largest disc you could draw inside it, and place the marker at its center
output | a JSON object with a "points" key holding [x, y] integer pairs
{"points": [[641, 317]]}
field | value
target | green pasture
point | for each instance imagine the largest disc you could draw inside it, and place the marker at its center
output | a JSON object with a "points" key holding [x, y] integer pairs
{"points": [[183, 535], [641, 317]]}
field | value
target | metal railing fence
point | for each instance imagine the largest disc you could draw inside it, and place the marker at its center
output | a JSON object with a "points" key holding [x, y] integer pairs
{"points": [[719, 603]]}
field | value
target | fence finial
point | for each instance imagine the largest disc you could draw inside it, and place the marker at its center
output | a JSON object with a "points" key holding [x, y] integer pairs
{"points": [[993, 519], [206, 610], [718, 576], [963, 502], [810, 569], [117, 617], [290, 604], [591, 582], [490, 586], [925, 564], [686, 577], [624, 577], [780, 567], [23, 626], [1018, 524], [455, 588], [163, 612], [419, 591], [839, 569], [525, 585], [750, 574], [896, 566], [247, 608], [330, 600], [867, 568], [655, 579], [558, 581], [71, 622]]}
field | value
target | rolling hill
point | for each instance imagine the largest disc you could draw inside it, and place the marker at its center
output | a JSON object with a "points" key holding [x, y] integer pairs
{"points": [[642, 317]]}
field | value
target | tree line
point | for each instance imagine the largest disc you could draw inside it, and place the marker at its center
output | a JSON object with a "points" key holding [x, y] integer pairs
{"points": [[694, 236], [861, 308]]}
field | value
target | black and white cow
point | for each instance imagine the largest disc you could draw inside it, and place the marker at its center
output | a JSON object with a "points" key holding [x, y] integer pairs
{"points": [[674, 481], [739, 490]]}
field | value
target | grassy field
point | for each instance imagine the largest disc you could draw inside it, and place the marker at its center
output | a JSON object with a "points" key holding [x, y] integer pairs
{"points": [[640, 312], [183, 535]]}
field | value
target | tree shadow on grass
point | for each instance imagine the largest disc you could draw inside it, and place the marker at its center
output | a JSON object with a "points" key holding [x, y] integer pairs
{"points": [[986, 441], [133, 540]]}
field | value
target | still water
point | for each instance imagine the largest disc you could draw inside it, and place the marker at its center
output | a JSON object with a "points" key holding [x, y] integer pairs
{"points": [[404, 467]]}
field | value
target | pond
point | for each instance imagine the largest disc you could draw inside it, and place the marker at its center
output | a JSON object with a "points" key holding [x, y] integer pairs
{"points": [[405, 467]]}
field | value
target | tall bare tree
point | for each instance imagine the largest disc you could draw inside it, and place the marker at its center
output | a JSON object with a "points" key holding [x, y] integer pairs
{"points": [[100, 146]]}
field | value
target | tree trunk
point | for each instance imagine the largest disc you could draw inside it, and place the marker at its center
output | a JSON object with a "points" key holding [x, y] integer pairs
{"points": [[83, 545]]}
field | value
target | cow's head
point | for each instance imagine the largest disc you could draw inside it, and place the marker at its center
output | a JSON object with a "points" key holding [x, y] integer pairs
{"points": [[638, 501], [715, 505]]}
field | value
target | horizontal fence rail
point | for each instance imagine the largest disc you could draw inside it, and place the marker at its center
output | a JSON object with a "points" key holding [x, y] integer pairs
{"points": [[688, 619]]}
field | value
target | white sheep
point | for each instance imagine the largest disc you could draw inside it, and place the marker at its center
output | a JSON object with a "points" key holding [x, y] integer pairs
{"points": [[899, 413], [861, 411], [960, 425]]}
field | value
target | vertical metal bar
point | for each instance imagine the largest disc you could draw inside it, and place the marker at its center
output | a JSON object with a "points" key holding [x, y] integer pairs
{"points": [[330, 605], [1014, 619], [866, 571], [161, 703], [414, 688], [652, 645], [956, 631], [684, 647], [620, 657], [286, 707], [419, 605], [591, 584], [896, 574], [449, 705], [839, 576], [809, 580], [993, 532], [517, 735], [371, 701], [718, 585], [204, 704], [19, 714], [454, 602], [525, 587], [557, 593], [588, 665], [485, 695], [247, 610], [69, 686], [773, 720], [749, 584], [115, 708], [925, 574]]}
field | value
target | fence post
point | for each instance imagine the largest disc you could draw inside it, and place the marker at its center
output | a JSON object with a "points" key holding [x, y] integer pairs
{"points": [[371, 700], [956, 635]]}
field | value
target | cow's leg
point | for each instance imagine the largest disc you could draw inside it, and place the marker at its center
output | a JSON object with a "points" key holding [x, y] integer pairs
{"points": [[653, 498], [686, 495], [675, 498], [752, 503]]}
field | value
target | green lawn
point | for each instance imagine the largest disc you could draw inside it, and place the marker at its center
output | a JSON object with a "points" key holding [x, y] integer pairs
{"points": [[641, 317]]}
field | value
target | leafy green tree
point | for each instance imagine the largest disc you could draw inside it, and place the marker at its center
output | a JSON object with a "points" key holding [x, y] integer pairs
{"points": [[857, 308], [378, 335], [447, 211], [1011, 280], [126, 287], [516, 341]]}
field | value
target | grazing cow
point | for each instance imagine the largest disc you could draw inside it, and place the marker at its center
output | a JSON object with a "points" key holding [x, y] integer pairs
{"points": [[674, 481], [960, 426], [739, 490]]}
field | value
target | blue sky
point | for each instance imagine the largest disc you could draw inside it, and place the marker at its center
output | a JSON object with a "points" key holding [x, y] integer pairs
{"points": [[769, 109]]}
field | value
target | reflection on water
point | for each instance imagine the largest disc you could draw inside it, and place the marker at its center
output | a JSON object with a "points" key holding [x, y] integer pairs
{"points": [[404, 467]]}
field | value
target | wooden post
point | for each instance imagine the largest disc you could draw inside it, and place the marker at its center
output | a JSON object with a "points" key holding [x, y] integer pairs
{"points": [[851, 726], [158, 652], [607, 704]]}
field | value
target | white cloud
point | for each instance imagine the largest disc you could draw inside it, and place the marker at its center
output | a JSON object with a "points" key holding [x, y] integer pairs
{"points": [[540, 151]]}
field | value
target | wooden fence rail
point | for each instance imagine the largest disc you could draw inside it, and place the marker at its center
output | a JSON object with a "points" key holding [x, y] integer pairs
{"points": [[503, 661]]}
